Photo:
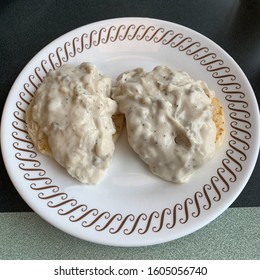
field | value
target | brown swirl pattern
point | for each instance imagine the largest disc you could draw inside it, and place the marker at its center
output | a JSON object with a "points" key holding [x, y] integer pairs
{"points": [[182, 211]]}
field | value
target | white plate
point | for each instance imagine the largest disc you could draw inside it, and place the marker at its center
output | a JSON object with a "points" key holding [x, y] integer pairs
{"points": [[132, 207]]}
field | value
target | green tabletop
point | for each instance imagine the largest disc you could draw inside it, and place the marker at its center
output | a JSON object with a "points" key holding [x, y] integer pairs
{"points": [[233, 235]]}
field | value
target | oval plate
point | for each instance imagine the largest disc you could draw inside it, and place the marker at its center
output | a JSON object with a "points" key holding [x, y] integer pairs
{"points": [[132, 207]]}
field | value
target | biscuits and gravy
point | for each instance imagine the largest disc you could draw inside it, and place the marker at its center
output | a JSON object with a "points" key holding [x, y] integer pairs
{"points": [[174, 123]]}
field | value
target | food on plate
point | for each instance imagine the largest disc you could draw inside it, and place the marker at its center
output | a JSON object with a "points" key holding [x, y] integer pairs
{"points": [[119, 122], [70, 120], [174, 123]]}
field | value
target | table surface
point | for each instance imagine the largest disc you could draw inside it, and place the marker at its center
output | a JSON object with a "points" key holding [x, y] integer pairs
{"points": [[27, 26], [234, 235]]}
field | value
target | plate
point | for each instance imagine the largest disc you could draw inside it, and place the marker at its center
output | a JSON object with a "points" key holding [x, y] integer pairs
{"points": [[132, 207]]}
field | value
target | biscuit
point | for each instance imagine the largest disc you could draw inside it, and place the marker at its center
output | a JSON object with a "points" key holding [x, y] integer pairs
{"points": [[219, 120], [40, 140], [119, 122]]}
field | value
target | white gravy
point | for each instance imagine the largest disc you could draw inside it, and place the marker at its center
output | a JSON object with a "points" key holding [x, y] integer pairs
{"points": [[73, 108], [169, 120]]}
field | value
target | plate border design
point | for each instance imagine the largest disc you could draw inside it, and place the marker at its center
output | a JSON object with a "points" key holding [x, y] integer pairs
{"points": [[181, 212]]}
